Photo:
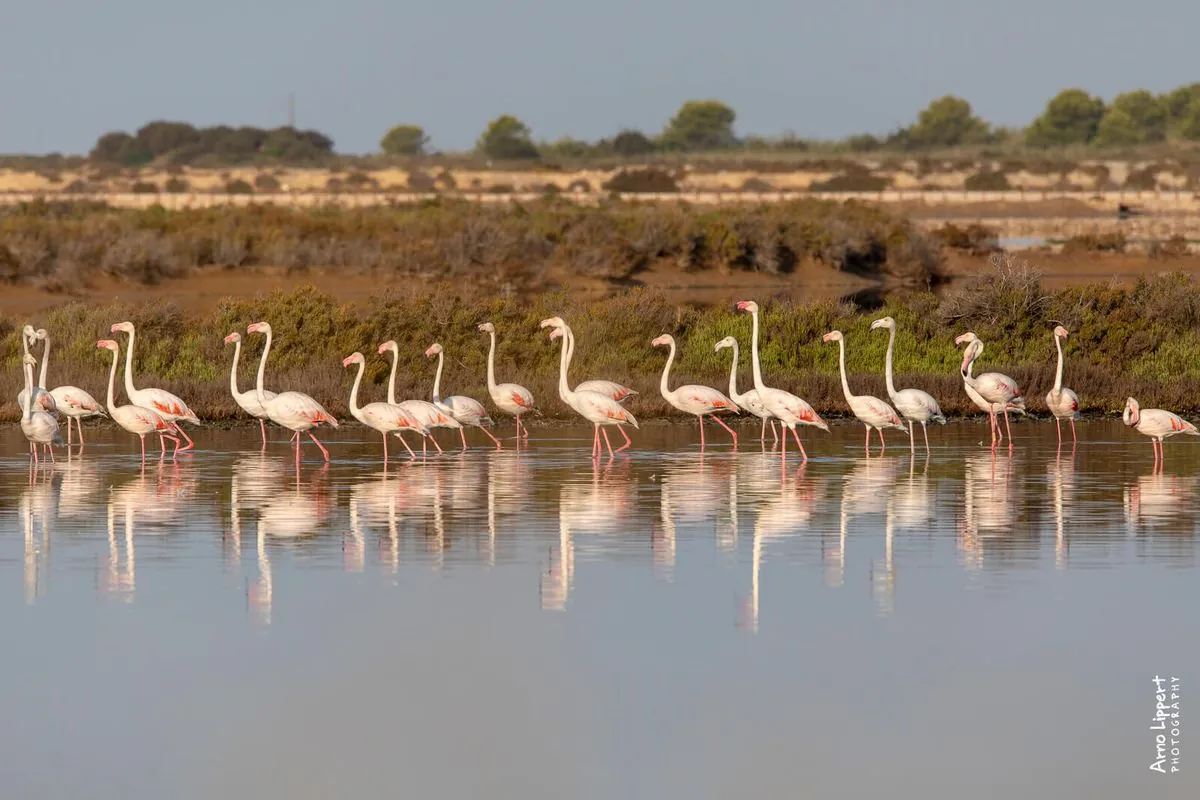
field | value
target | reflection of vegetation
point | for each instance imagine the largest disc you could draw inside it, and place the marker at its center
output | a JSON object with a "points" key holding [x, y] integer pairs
{"points": [[1141, 342]]}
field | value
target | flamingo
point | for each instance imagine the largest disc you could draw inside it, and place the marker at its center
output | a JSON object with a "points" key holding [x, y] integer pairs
{"points": [[997, 389], [74, 403], [424, 412], [383, 417], [511, 398], [598, 409], [1155, 423], [749, 401], [871, 411], [42, 398], [248, 400], [465, 410], [1062, 402], [613, 389], [692, 398], [135, 418], [295, 411], [784, 406], [1017, 405], [168, 406], [913, 404], [39, 427]]}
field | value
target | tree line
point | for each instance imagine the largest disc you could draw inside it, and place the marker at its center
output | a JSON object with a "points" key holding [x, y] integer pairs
{"points": [[1072, 118]]}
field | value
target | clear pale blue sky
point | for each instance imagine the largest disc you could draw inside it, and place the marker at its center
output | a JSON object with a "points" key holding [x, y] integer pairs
{"points": [[71, 70]]}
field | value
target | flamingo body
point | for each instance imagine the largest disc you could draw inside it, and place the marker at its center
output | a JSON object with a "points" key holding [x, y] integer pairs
{"points": [[914, 405], [870, 410], [295, 411], [168, 406], [466, 411], [134, 418], [616, 391], [511, 398], [692, 398], [1156, 423]]}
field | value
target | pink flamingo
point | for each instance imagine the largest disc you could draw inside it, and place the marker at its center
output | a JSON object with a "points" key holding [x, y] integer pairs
{"points": [[135, 418], [168, 406], [295, 411], [616, 391], [511, 398], [1017, 405], [465, 410], [1155, 423], [997, 389], [871, 411], [39, 427], [784, 406], [383, 417], [248, 400], [750, 400], [914, 405], [598, 409], [423, 411], [1062, 402], [74, 403], [692, 398], [41, 398]]}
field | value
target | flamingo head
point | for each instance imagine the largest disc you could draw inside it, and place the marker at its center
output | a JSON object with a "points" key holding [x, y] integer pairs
{"points": [[353, 358], [663, 341], [42, 334], [1060, 332], [728, 341], [388, 347], [832, 336], [233, 337], [1132, 412], [556, 322], [258, 327], [556, 334], [433, 350], [122, 327], [884, 322], [748, 306], [28, 360], [29, 333], [107, 344], [970, 354], [968, 337], [487, 327]]}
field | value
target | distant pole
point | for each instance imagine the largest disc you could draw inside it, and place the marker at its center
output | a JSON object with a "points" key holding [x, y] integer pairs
{"points": [[291, 109]]}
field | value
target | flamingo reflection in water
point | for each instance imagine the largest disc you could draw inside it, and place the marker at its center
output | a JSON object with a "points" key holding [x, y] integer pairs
{"points": [[910, 506], [691, 490], [153, 500], [988, 504], [375, 501], [1160, 501], [508, 491], [866, 489], [1061, 472], [36, 506]]}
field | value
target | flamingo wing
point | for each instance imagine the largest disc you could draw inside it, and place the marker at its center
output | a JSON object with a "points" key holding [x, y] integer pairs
{"points": [[75, 401], [165, 403], [703, 399], [608, 388], [292, 409], [466, 410], [518, 395]]}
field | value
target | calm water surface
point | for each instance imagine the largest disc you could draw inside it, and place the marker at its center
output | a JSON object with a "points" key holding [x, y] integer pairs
{"points": [[668, 624]]}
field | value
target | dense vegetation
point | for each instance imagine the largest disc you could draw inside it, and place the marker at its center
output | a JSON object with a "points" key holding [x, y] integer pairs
{"points": [[1071, 119], [512, 247], [1144, 342]]}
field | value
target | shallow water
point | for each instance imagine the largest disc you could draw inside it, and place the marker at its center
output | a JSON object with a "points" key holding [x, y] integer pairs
{"points": [[666, 624]]}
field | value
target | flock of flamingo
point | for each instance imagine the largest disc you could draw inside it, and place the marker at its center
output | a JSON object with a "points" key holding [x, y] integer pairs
{"points": [[600, 402]]}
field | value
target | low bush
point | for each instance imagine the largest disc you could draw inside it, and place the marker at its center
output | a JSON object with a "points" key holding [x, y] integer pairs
{"points": [[649, 179]]}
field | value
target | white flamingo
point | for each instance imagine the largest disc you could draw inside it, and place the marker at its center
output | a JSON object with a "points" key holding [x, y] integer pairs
{"points": [[39, 427], [870, 410], [511, 398], [134, 418], [692, 398], [295, 411], [616, 391], [248, 400], [42, 398], [423, 411], [1155, 423], [383, 417], [71, 401], [784, 406], [1062, 402], [168, 406], [996, 388], [750, 401], [465, 410], [598, 409], [913, 404], [1017, 406]]}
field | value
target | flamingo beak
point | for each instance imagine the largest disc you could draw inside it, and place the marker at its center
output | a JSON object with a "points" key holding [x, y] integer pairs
{"points": [[827, 337], [348, 360], [381, 349], [963, 337], [877, 324], [966, 362], [556, 333], [429, 352], [231, 338], [741, 305], [546, 323]]}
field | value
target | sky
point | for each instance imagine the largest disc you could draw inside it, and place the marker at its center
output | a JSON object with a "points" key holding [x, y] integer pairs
{"points": [[71, 70]]}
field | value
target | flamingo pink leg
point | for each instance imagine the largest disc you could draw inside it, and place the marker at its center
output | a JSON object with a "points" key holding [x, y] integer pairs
{"points": [[774, 434], [607, 442], [803, 454], [1007, 427], [179, 429], [628, 441], [1058, 427], [1073, 438], [493, 438], [385, 452], [463, 433], [435, 443], [726, 427], [868, 444], [50, 450], [411, 454], [912, 444], [596, 441], [700, 419], [262, 424], [324, 452], [142, 440], [79, 426], [925, 431], [882, 444]]}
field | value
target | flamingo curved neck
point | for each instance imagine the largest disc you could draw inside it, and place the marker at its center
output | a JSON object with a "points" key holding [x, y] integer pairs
{"points": [[733, 392], [758, 381], [262, 366], [362, 365], [437, 381], [1057, 377], [887, 364], [564, 391], [663, 385], [237, 352], [46, 363], [392, 377], [491, 369], [28, 391], [842, 368], [112, 379], [129, 390]]}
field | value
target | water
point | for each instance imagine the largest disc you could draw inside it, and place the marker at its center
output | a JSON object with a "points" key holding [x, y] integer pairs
{"points": [[491, 624]]}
